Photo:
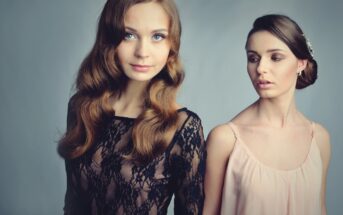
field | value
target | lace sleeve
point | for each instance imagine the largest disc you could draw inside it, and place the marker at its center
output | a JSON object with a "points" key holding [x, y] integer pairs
{"points": [[72, 201], [188, 165]]}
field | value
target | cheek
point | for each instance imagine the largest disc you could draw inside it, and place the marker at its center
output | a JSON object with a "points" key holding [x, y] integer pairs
{"points": [[289, 75], [124, 52], [251, 71], [162, 54], [291, 71], [121, 53]]}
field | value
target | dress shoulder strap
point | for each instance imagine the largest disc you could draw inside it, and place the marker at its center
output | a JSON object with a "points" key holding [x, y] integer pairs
{"points": [[313, 127], [234, 129]]}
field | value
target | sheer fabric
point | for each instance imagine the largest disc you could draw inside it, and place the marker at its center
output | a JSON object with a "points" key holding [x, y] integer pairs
{"points": [[102, 182]]}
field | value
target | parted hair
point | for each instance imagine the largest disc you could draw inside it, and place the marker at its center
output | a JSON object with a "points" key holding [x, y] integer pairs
{"points": [[100, 78]]}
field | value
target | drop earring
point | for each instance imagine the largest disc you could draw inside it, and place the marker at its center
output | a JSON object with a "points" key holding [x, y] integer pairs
{"points": [[300, 73]]}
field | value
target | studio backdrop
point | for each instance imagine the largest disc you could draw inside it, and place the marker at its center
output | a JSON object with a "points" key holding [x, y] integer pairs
{"points": [[42, 44]]}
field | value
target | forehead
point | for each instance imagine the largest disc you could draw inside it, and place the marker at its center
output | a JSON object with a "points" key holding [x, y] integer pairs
{"points": [[263, 40], [147, 15]]}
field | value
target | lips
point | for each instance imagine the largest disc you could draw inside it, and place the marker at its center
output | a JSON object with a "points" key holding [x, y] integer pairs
{"points": [[264, 84], [140, 67]]}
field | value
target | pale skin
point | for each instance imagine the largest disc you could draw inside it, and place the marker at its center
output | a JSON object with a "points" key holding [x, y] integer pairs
{"points": [[142, 54], [273, 70]]}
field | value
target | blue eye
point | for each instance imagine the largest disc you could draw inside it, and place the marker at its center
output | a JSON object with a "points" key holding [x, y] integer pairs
{"points": [[158, 37], [129, 36]]}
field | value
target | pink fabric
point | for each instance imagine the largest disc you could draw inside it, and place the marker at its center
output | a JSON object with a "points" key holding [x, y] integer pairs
{"points": [[252, 188]]}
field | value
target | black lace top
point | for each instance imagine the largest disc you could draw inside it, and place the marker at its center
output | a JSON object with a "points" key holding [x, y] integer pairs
{"points": [[102, 182]]}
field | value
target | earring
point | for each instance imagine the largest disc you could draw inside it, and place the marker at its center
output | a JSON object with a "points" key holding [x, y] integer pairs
{"points": [[300, 73]]}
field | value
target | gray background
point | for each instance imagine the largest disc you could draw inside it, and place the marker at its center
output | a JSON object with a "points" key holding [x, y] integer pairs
{"points": [[42, 44]]}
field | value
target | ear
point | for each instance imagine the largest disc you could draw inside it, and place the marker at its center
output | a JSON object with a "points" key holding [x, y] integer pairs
{"points": [[302, 63]]}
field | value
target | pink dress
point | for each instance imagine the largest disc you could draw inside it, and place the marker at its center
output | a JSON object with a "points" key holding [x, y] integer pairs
{"points": [[253, 188]]}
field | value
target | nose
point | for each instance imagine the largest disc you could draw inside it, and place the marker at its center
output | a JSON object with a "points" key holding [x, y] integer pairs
{"points": [[262, 66], [142, 49]]}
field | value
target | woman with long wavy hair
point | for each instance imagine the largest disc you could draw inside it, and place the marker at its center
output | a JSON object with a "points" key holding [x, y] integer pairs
{"points": [[129, 146]]}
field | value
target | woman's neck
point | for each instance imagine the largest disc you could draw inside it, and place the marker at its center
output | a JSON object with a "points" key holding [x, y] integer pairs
{"points": [[276, 112], [131, 101]]}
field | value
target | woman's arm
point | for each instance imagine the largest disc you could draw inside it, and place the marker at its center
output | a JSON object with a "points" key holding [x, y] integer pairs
{"points": [[72, 201], [219, 146], [323, 140], [188, 168]]}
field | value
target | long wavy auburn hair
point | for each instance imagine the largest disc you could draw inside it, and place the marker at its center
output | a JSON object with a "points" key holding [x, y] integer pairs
{"points": [[100, 78]]}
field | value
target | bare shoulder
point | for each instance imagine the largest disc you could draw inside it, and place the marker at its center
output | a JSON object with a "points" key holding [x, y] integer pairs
{"points": [[221, 139], [322, 137]]}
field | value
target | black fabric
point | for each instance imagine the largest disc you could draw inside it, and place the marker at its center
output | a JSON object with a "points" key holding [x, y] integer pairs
{"points": [[102, 181]]}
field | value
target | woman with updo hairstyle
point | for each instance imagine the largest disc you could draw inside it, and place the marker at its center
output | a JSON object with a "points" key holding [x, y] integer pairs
{"points": [[129, 146], [270, 158], [289, 32]]}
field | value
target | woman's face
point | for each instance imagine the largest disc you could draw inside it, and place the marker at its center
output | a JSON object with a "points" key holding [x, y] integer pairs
{"points": [[272, 66], [144, 50]]}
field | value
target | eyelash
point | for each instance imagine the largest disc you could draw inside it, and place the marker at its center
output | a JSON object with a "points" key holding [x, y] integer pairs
{"points": [[128, 34], [255, 59], [156, 37], [161, 36], [276, 58]]}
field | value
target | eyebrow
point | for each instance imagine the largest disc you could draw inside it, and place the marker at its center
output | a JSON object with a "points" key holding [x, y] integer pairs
{"points": [[269, 50], [154, 31]]}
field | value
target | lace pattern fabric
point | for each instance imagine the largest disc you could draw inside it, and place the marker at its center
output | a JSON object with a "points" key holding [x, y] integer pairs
{"points": [[102, 181]]}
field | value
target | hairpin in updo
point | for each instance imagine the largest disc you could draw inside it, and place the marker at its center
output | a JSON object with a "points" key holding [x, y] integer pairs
{"points": [[309, 46]]}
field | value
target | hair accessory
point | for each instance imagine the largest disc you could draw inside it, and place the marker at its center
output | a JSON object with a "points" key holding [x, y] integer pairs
{"points": [[309, 46]]}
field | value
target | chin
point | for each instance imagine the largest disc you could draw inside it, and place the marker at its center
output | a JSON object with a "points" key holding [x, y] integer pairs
{"points": [[264, 95], [139, 78]]}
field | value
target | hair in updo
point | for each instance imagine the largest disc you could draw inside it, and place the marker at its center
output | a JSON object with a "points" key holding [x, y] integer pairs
{"points": [[288, 31]]}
